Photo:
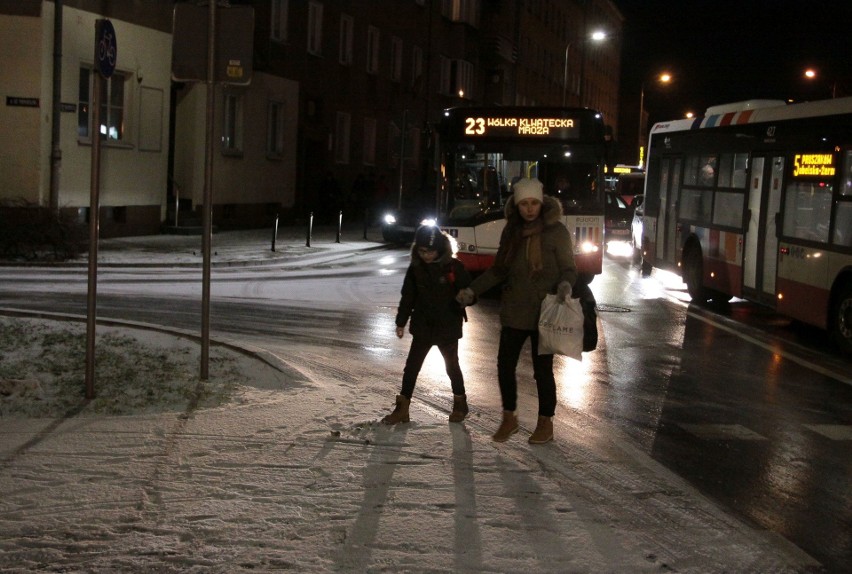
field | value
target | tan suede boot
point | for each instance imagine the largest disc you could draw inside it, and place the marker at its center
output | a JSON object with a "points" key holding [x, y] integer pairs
{"points": [[508, 427], [543, 431], [460, 409], [400, 412]]}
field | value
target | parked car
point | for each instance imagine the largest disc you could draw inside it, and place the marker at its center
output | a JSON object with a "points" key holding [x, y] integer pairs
{"points": [[399, 225], [617, 224]]}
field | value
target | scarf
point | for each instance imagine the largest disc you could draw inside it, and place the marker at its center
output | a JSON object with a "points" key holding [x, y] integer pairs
{"points": [[528, 237]]}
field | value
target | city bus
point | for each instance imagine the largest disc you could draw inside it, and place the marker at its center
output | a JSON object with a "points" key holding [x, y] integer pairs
{"points": [[483, 151], [754, 200], [627, 181]]}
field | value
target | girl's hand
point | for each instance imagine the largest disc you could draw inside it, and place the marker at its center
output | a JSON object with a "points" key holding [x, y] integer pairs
{"points": [[400, 331]]}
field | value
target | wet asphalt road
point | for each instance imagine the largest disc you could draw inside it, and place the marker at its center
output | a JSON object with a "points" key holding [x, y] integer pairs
{"points": [[748, 408]]}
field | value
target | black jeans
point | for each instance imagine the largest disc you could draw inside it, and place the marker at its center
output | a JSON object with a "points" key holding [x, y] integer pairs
{"points": [[511, 343], [417, 354]]}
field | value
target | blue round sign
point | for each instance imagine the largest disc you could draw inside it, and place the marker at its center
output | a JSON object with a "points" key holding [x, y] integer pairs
{"points": [[105, 47]]}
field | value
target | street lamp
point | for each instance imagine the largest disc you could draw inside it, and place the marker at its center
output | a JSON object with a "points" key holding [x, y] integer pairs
{"points": [[663, 78], [810, 74], [596, 36]]}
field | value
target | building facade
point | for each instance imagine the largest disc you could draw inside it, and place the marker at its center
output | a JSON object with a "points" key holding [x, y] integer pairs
{"points": [[338, 116]]}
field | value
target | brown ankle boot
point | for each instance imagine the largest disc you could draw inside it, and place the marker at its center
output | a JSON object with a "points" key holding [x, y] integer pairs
{"points": [[543, 431], [460, 409], [400, 412], [508, 427]]}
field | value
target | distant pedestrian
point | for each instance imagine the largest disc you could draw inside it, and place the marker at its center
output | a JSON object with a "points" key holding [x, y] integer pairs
{"points": [[429, 290], [535, 257]]}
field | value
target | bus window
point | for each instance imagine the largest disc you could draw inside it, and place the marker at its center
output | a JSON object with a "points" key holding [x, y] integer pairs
{"points": [[708, 170], [728, 209], [732, 170], [843, 224], [807, 211]]}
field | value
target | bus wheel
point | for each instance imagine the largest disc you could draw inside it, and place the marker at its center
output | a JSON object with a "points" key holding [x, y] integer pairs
{"points": [[693, 274], [840, 320]]}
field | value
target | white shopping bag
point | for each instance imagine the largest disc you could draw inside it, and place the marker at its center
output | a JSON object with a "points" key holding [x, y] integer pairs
{"points": [[560, 327]]}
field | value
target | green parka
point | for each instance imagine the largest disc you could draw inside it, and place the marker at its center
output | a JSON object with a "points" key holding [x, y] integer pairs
{"points": [[523, 291]]}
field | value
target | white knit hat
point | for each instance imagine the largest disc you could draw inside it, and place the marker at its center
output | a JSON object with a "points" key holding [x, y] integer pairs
{"points": [[527, 188]]}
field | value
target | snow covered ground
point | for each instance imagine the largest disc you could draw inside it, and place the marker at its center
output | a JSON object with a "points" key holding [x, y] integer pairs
{"points": [[266, 468]]}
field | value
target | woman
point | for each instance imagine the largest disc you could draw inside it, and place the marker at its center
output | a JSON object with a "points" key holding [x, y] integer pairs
{"points": [[535, 257]]}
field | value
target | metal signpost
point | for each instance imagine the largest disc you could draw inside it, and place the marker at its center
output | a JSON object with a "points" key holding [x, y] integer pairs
{"points": [[106, 52], [227, 60]]}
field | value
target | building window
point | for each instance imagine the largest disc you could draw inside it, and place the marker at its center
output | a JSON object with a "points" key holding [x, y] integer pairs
{"points": [[466, 11], [278, 26], [341, 137], [416, 68], [112, 102], [232, 125], [347, 27], [315, 29], [456, 78], [369, 141], [275, 130], [372, 50], [396, 59]]}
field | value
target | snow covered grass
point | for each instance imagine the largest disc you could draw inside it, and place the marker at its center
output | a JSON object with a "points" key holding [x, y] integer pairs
{"points": [[43, 370]]}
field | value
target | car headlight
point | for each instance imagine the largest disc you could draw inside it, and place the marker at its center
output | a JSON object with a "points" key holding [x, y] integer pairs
{"points": [[429, 222], [389, 219]]}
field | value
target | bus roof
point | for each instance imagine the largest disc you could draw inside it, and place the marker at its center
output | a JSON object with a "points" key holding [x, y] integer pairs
{"points": [[752, 112]]}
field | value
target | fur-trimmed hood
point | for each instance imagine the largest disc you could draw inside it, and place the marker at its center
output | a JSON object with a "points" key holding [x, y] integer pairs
{"points": [[551, 210], [445, 250]]}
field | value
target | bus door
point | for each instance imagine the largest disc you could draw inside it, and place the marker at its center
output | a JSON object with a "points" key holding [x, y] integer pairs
{"points": [[760, 257], [667, 239]]}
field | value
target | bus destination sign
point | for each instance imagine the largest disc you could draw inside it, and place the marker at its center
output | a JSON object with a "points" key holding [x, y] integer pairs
{"points": [[512, 126], [813, 164]]}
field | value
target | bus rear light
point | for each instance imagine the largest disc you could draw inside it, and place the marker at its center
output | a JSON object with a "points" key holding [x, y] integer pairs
{"points": [[785, 251]]}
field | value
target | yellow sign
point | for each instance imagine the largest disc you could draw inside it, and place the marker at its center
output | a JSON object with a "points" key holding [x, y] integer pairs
{"points": [[813, 164], [621, 169], [519, 126]]}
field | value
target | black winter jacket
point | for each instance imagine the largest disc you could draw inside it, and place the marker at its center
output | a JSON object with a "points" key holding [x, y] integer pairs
{"points": [[429, 296]]}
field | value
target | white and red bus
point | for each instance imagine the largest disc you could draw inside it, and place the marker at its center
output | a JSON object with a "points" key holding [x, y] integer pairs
{"points": [[754, 200], [484, 150]]}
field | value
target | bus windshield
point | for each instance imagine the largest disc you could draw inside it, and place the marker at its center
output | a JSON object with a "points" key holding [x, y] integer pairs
{"points": [[481, 182], [484, 151]]}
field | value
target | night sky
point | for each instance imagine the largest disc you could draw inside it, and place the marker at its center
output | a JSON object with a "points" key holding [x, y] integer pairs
{"points": [[733, 50]]}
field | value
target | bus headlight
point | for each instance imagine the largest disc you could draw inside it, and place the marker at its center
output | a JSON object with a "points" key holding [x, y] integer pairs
{"points": [[389, 219], [588, 247]]}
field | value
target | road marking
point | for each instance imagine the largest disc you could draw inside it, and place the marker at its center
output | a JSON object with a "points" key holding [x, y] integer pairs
{"points": [[775, 350], [721, 432], [834, 432]]}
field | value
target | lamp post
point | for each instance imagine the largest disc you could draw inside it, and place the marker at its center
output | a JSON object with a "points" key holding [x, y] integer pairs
{"points": [[663, 78], [596, 36], [810, 74]]}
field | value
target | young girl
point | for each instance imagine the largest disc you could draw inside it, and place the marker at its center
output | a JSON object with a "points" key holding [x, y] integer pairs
{"points": [[429, 290]]}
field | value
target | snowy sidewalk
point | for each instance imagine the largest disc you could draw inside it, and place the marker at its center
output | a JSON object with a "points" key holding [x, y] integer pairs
{"points": [[296, 474]]}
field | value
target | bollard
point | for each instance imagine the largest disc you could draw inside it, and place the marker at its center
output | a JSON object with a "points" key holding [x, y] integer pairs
{"points": [[366, 222], [339, 225], [275, 232], [310, 228]]}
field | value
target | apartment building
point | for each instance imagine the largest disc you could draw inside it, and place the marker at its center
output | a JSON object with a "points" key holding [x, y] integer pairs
{"points": [[344, 95]]}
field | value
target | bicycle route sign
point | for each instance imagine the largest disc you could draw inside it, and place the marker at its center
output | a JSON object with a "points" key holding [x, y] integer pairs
{"points": [[105, 47]]}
